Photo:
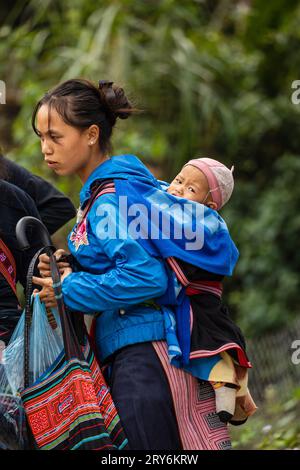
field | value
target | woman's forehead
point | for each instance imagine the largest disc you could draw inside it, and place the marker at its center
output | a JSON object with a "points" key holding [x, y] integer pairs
{"points": [[48, 118]]}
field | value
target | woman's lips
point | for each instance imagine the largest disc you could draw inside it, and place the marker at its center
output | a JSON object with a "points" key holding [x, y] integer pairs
{"points": [[51, 164]]}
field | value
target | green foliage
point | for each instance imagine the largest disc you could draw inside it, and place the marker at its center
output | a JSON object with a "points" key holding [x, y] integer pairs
{"points": [[212, 78], [269, 262], [274, 426]]}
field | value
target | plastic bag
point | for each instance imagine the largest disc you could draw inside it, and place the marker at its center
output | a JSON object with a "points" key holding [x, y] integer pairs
{"points": [[46, 344], [13, 434]]}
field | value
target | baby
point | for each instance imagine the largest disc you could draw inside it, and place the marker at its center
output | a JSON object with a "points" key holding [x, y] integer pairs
{"points": [[214, 334], [204, 180]]}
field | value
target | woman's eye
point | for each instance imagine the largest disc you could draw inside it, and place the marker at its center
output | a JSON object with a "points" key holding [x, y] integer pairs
{"points": [[54, 137]]}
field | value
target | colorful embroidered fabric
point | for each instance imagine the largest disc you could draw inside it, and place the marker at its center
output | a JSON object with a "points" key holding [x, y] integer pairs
{"points": [[8, 266], [70, 408], [79, 234]]}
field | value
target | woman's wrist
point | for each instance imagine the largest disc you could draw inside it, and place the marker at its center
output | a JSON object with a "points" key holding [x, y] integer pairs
{"points": [[66, 272]]}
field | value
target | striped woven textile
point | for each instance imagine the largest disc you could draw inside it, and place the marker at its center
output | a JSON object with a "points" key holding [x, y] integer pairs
{"points": [[194, 401], [106, 188], [70, 408], [8, 266], [194, 287]]}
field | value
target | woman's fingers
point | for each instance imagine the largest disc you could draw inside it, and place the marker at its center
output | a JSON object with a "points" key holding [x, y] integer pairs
{"points": [[44, 273], [44, 262], [44, 282], [35, 292], [44, 295], [47, 273], [50, 304], [48, 298], [44, 257], [44, 265], [62, 265], [60, 252]]}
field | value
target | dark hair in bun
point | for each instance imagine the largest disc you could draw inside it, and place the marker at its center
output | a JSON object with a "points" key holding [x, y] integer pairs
{"points": [[115, 100], [81, 104]]}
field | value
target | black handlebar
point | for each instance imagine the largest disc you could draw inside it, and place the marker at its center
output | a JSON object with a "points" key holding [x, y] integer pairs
{"points": [[40, 230]]}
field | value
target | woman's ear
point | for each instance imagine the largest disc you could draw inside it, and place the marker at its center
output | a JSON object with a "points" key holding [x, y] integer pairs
{"points": [[93, 133], [212, 205]]}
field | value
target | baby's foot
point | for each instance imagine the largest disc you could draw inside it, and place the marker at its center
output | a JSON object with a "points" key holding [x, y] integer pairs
{"points": [[225, 402]]}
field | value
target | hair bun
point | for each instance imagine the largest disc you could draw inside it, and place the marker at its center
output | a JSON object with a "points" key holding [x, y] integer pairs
{"points": [[115, 99]]}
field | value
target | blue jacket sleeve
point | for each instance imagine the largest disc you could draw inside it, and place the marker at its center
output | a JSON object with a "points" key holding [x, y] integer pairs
{"points": [[135, 276]]}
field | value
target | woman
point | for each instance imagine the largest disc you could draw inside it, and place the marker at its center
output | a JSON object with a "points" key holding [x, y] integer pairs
{"points": [[112, 273], [22, 194]]}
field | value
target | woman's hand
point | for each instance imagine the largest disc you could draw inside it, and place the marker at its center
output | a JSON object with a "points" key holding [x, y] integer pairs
{"points": [[65, 273], [46, 294], [44, 263]]}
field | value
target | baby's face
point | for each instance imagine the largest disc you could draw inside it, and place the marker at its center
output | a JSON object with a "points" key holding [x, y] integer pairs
{"points": [[191, 184]]}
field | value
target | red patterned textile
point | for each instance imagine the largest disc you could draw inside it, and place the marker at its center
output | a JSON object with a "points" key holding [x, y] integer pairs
{"points": [[70, 408], [8, 266], [199, 425]]}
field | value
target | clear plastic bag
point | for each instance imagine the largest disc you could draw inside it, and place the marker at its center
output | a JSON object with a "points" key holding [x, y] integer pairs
{"points": [[46, 344], [13, 434]]}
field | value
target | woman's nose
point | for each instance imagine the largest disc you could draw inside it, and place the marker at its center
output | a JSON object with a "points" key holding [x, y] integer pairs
{"points": [[46, 148]]}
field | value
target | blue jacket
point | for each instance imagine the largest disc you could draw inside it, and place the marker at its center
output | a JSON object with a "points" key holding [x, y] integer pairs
{"points": [[116, 276]]}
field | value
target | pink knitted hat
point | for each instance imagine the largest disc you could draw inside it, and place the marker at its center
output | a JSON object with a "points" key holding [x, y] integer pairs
{"points": [[219, 177]]}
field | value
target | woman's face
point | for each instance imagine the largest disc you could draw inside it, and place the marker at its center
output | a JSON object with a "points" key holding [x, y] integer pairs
{"points": [[66, 149]]}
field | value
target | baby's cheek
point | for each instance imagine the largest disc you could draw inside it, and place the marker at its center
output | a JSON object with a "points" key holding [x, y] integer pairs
{"points": [[172, 186]]}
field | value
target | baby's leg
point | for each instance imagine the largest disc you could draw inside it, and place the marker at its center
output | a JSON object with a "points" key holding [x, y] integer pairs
{"points": [[225, 400]]}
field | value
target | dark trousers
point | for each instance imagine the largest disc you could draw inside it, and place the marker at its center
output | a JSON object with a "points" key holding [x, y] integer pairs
{"points": [[142, 396]]}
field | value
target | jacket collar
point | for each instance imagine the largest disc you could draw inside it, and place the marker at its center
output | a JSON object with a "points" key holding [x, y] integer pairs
{"points": [[118, 167]]}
